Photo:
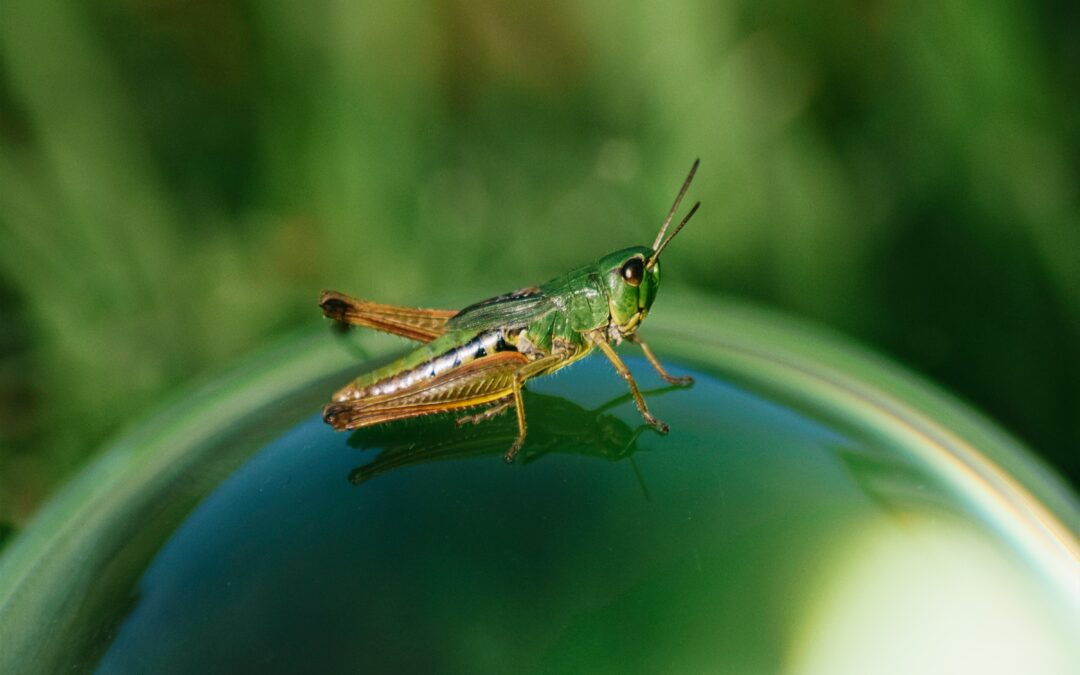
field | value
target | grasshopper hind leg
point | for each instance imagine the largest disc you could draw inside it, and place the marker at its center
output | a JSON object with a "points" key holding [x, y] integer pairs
{"points": [[498, 408]]}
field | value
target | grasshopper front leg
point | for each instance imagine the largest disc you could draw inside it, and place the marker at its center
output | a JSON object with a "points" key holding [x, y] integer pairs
{"points": [[623, 371], [684, 381]]}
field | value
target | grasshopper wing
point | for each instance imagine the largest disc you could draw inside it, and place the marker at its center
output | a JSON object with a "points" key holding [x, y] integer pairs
{"points": [[478, 382], [505, 311], [423, 325]]}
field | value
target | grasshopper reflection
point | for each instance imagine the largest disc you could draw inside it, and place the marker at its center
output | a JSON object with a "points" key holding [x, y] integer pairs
{"points": [[563, 427]]}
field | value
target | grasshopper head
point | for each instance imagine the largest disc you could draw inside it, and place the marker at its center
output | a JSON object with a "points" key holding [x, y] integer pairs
{"points": [[631, 285], [633, 274]]}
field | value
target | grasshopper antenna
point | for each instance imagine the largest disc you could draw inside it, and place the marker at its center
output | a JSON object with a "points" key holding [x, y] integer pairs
{"points": [[656, 251], [675, 206]]}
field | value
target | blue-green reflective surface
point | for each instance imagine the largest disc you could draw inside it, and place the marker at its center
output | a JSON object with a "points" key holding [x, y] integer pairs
{"points": [[779, 527], [455, 563]]}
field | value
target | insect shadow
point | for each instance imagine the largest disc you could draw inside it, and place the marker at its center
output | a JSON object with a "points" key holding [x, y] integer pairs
{"points": [[560, 426]]}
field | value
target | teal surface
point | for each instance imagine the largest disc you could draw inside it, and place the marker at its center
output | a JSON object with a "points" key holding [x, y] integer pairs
{"points": [[812, 510]]}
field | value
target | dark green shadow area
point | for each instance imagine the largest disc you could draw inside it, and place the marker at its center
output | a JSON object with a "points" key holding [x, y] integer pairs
{"points": [[274, 544]]}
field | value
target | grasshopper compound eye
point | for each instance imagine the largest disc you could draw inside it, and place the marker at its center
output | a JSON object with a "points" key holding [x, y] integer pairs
{"points": [[633, 270]]}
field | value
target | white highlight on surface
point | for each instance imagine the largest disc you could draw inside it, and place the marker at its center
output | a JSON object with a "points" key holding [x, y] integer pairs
{"points": [[933, 595]]}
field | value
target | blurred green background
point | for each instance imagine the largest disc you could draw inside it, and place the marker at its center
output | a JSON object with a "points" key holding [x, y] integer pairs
{"points": [[179, 180]]}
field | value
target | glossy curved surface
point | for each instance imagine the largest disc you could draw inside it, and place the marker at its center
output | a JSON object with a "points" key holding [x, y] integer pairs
{"points": [[813, 510]]}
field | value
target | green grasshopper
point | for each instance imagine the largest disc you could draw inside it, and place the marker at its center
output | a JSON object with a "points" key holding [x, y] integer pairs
{"points": [[484, 354]]}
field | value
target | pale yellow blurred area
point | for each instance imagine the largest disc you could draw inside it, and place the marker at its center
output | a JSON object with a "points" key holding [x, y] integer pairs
{"points": [[930, 594]]}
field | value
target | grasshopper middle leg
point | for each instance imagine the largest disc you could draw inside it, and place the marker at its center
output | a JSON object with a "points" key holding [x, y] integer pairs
{"points": [[525, 372]]}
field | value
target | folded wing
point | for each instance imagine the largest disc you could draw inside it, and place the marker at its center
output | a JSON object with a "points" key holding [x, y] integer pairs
{"points": [[512, 310], [423, 325]]}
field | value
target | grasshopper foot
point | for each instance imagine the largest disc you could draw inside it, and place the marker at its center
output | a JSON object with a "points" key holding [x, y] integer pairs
{"points": [[684, 381], [657, 424], [513, 451]]}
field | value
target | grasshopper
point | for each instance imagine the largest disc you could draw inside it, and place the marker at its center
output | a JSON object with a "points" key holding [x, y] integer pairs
{"points": [[567, 428], [484, 354]]}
